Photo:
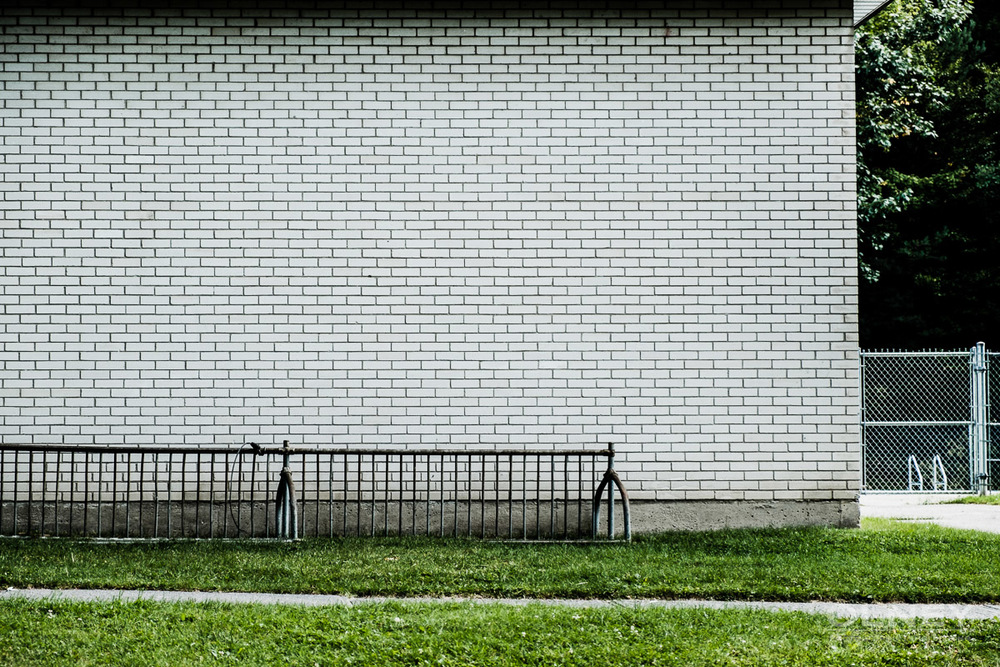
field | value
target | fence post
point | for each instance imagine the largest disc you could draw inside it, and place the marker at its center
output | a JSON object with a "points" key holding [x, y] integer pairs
{"points": [[864, 418], [977, 444]]}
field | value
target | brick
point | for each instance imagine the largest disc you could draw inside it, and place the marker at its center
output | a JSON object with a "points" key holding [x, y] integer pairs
{"points": [[453, 228]]}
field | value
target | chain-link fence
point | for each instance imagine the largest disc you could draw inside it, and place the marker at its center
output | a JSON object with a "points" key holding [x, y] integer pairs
{"points": [[925, 421]]}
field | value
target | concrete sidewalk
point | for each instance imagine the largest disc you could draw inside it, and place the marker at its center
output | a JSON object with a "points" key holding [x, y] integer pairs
{"points": [[836, 609], [928, 508]]}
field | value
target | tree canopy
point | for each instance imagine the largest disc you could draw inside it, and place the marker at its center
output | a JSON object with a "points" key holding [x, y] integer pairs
{"points": [[928, 80]]}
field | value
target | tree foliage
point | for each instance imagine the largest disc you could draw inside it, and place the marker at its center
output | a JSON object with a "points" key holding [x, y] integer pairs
{"points": [[928, 174]]}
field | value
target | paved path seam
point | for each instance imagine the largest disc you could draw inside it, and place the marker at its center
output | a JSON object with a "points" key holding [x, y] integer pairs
{"points": [[837, 609]]}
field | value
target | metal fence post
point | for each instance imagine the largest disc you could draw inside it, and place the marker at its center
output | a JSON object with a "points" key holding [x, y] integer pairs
{"points": [[977, 444], [862, 395]]}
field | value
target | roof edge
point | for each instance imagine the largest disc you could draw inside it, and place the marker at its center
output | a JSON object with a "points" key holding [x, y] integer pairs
{"points": [[869, 9]]}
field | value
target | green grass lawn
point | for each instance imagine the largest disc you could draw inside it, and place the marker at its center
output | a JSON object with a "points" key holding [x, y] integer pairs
{"points": [[884, 561], [145, 633], [975, 500]]}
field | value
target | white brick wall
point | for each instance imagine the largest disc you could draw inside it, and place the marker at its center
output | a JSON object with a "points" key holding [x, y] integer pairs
{"points": [[514, 227]]}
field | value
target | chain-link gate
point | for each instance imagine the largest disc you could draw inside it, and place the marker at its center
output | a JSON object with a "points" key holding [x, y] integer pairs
{"points": [[925, 421]]}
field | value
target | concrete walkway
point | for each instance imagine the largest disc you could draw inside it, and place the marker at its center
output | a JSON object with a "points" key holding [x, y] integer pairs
{"points": [[837, 609], [928, 508]]}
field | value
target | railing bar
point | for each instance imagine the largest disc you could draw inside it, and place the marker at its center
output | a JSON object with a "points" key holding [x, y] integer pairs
{"points": [[3, 476], [434, 453], [16, 480], [142, 482], [330, 485], [230, 470], [234, 467], [210, 484], [126, 449], [524, 497], [253, 495], [538, 495], [128, 492], [197, 495], [55, 492], [345, 496], [414, 501], [359, 495], [374, 494], [268, 505], [303, 499], [565, 487], [73, 501], [17, 483], [510, 497], [57, 472], [429, 490], [371, 519], [137, 487], [16, 476], [100, 497], [170, 495], [401, 493], [184, 499], [430, 497], [129, 485], [482, 486], [70, 497], [55, 521], [156, 495], [552, 498], [496, 497], [566, 509], [41, 527], [316, 531], [468, 495], [86, 492], [329, 495], [31, 487], [385, 496], [271, 451], [455, 498], [114, 497], [454, 481], [249, 495], [611, 505]]}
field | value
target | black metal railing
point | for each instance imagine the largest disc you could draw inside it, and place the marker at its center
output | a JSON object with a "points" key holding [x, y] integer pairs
{"points": [[290, 492]]}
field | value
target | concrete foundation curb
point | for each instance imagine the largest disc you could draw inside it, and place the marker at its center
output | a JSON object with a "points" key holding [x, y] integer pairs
{"points": [[837, 609]]}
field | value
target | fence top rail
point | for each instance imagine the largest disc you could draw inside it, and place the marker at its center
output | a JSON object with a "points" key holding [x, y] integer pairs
{"points": [[915, 353], [252, 449], [916, 423]]}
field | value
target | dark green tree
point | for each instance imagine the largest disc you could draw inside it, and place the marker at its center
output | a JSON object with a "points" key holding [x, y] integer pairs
{"points": [[928, 174]]}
